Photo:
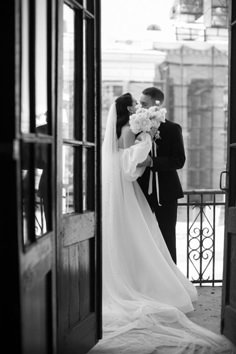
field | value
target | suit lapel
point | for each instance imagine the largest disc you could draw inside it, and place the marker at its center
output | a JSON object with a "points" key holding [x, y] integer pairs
{"points": [[161, 130]]}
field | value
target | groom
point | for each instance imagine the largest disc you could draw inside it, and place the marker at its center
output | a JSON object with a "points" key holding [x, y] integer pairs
{"points": [[169, 158]]}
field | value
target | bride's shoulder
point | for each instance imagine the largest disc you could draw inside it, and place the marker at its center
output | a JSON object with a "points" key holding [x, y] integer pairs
{"points": [[126, 130]]}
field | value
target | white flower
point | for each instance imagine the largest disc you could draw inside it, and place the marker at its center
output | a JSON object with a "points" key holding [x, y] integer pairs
{"points": [[143, 120], [140, 122], [145, 124], [157, 115]]}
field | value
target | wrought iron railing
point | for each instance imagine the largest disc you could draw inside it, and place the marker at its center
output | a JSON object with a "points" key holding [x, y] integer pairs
{"points": [[200, 227]]}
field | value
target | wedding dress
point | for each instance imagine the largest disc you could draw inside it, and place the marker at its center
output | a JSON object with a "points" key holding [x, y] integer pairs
{"points": [[145, 295]]}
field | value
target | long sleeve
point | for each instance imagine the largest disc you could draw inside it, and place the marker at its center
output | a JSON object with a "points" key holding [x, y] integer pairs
{"points": [[134, 155]]}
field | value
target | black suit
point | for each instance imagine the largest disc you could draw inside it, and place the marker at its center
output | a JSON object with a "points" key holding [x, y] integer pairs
{"points": [[170, 158]]}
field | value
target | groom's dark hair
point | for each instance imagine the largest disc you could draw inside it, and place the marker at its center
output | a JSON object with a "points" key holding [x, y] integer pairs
{"points": [[123, 114], [155, 93]]}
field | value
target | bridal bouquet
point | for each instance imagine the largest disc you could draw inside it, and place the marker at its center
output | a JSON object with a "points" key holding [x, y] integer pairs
{"points": [[147, 119]]}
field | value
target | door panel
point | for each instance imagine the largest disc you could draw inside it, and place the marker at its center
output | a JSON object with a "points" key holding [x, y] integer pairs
{"points": [[228, 316], [36, 318], [79, 255], [50, 160], [78, 228], [35, 175]]}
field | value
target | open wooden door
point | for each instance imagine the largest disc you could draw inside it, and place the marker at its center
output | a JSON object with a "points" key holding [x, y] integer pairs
{"points": [[28, 149], [50, 211], [228, 327], [78, 177]]}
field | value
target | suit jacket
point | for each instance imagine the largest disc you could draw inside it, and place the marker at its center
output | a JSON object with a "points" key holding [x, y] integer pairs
{"points": [[170, 158]]}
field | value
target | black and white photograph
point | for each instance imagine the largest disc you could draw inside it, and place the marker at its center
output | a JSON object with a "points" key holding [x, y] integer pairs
{"points": [[118, 159]]}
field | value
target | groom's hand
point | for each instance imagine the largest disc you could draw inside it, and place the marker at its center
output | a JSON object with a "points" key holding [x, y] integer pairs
{"points": [[146, 163]]}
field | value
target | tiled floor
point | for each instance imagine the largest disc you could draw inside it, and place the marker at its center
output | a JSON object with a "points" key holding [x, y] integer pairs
{"points": [[208, 308]]}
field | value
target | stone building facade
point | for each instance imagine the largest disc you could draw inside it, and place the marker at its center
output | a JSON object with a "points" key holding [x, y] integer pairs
{"points": [[196, 81]]}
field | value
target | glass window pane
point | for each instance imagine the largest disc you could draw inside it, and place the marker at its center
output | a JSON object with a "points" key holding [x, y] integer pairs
{"points": [[90, 180], [68, 203], [85, 163], [40, 61], [68, 72], [43, 211], [72, 181], [88, 184], [78, 179], [89, 66], [84, 81], [27, 181], [25, 120]]}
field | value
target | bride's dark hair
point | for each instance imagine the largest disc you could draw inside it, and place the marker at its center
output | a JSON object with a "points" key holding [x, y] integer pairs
{"points": [[123, 114]]}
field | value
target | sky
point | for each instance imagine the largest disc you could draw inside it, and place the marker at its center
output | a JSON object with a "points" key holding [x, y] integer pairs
{"points": [[125, 18]]}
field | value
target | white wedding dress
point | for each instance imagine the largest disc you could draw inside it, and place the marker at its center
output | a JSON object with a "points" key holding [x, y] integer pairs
{"points": [[145, 295]]}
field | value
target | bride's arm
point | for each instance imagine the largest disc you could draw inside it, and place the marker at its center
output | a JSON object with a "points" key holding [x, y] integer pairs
{"points": [[134, 153]]}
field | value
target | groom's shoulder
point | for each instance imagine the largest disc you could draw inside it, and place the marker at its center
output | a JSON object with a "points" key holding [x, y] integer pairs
{"points": [[173, 125]]}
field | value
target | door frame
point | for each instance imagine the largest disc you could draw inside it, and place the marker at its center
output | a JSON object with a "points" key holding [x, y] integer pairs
{"points": [[228, 310]]}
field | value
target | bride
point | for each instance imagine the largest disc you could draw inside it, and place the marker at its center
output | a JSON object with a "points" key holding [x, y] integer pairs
{"points": [[145, 295]]}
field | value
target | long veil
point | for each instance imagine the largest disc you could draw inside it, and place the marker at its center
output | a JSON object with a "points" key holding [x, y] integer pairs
{"points": [[109, 145], [138, 324]]}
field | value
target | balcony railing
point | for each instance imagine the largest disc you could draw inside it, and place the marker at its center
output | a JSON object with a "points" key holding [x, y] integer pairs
{"points": [[200, 230]]}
